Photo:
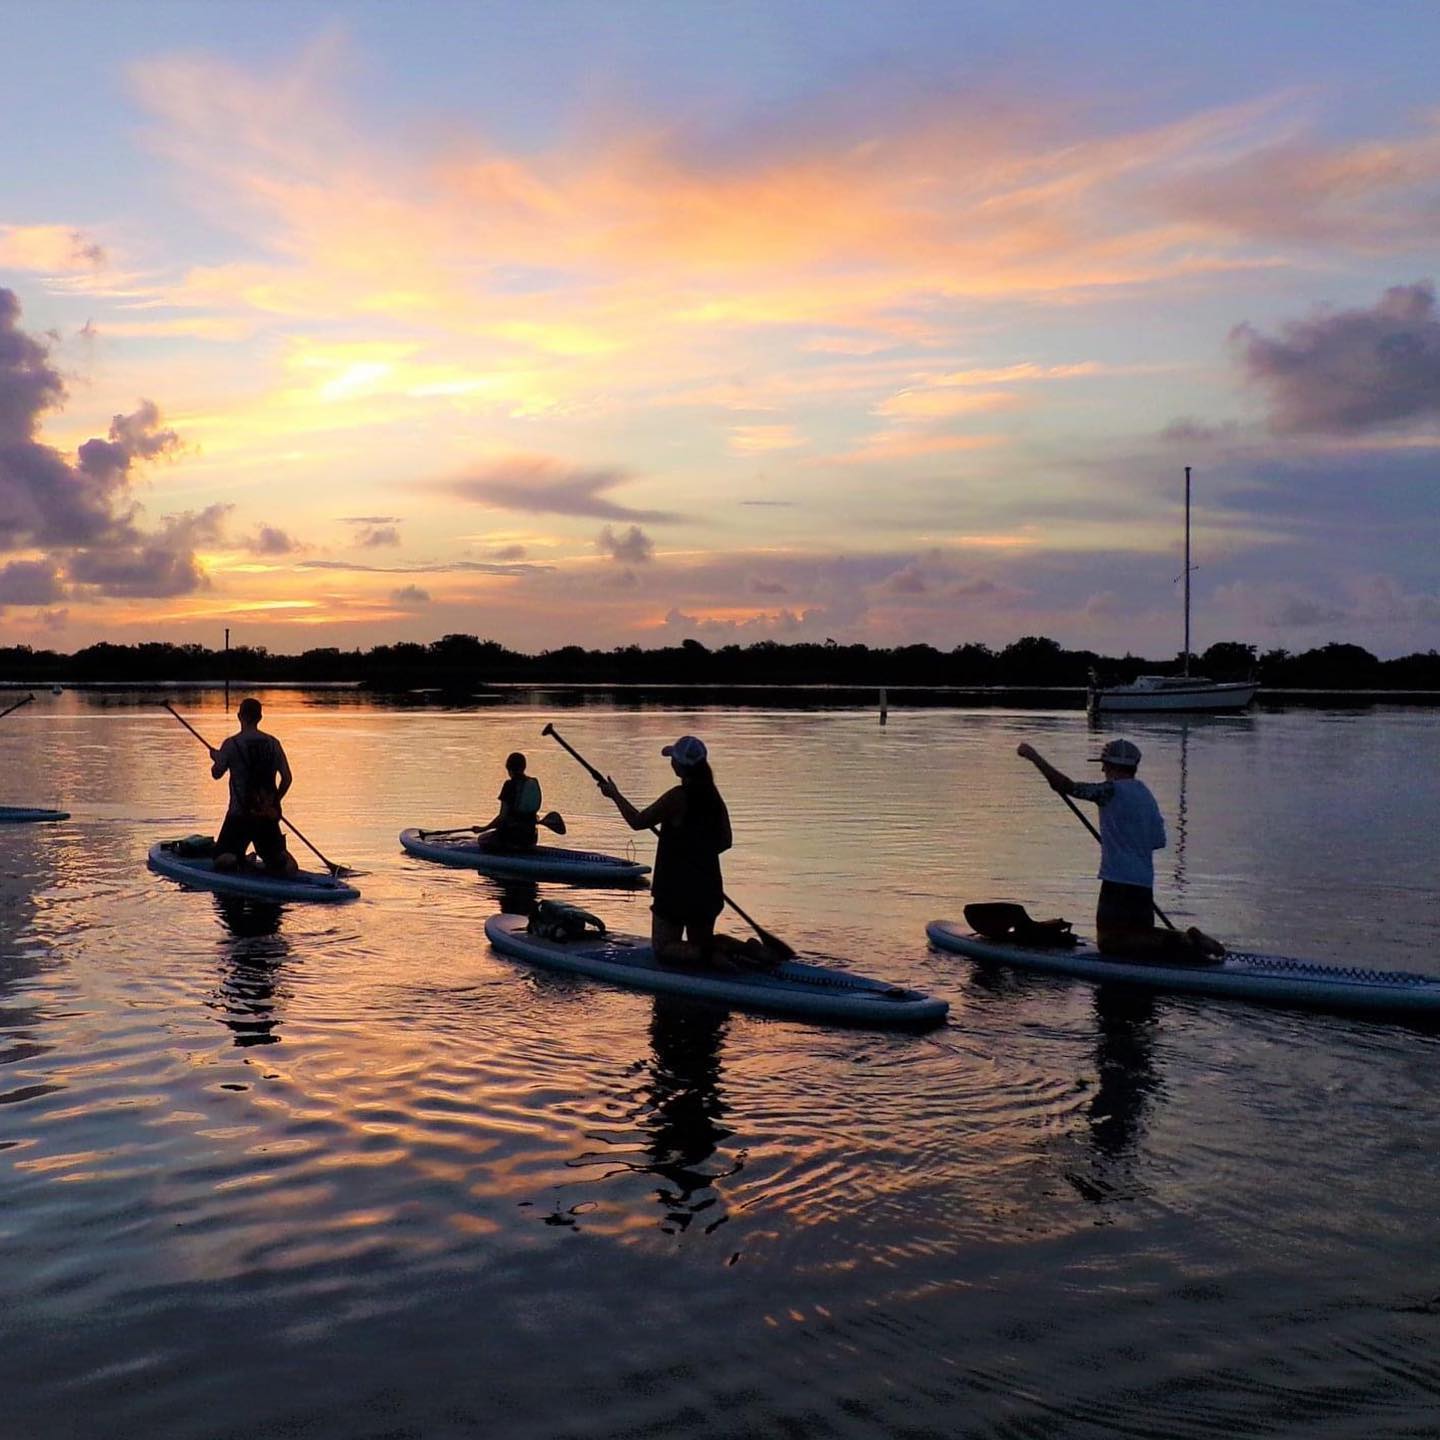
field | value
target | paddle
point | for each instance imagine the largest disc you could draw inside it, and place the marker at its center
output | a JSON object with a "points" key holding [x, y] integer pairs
{"points": [[551, 820], [1085, 821], [771, 942], [338, 871], [17, 705]]}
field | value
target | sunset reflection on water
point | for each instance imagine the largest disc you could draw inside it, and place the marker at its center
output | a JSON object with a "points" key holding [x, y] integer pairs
{"points": [[241, 1139]]}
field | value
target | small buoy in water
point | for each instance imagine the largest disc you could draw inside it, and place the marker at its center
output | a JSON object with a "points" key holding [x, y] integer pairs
{"points": [[57, 689]]}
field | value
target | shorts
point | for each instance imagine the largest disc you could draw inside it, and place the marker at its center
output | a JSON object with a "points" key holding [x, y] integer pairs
{"points": [[687, 911], [240, 831], [1124, 907], [517, 836]]}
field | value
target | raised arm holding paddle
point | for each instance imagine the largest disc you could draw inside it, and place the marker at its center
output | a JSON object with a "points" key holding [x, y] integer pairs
{"points": [[1131, 830], [691, 891], [259, 779], [249, 753], [694, 831]]}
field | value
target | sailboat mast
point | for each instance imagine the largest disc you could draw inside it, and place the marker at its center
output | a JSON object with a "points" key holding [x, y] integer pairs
{"points": [[1187, 573]]}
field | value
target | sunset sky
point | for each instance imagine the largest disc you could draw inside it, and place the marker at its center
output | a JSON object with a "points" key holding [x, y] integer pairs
{"points": [[619, 323]]}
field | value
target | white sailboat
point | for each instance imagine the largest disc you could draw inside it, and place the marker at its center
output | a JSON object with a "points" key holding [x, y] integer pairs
{"points": [[1174, 692]]}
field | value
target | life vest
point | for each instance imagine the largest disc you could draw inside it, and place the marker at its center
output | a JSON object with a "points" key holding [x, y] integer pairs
{"points": [[527, 802]]}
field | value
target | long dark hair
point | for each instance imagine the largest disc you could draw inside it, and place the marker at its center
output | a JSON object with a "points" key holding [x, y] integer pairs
{"points": [[702, 796]]}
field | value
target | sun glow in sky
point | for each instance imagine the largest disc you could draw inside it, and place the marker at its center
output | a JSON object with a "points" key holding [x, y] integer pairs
{"points": [[617, 323]]}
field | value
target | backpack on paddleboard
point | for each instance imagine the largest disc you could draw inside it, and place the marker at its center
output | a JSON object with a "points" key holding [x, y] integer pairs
{"points": [[554, 920], [1008, 924]]}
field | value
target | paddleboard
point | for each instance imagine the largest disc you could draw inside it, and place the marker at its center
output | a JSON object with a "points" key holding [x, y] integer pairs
{"points": [[27, 814], [795, 989], [199, 873], [544, 862], [1265, 979]]}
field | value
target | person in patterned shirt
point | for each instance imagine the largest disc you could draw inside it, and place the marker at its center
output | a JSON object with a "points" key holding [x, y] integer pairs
{"points": [[1131, 830], [259, 778]]}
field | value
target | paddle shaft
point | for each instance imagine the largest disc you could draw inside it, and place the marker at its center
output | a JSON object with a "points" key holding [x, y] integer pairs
{"points": [[1084, 819], [188, 726], [766, 938], [16, 705], [329, 864], [564, 744], [551, 820], [285, 819]]}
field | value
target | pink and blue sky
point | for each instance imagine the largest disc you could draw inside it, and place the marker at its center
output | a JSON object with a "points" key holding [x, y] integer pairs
{"points": [[618, 323]]}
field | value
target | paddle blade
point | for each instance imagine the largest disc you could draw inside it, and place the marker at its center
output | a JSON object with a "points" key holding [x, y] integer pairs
{"points": [[553, 820], [774, 943]]}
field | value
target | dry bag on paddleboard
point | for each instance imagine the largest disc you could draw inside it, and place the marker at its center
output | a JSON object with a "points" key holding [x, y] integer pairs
{"points": [[554, 920], [1004, 921]]}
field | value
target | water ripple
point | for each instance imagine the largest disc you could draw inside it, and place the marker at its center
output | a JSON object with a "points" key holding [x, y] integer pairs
{"points": [[242, 1143]]}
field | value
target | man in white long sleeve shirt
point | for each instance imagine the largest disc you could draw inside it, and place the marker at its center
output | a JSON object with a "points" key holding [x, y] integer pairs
{"points": [[1131, 830]]}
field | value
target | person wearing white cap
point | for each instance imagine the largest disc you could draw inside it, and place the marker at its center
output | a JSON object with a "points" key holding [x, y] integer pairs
{"points": [[687, 891], [1131, 830]]}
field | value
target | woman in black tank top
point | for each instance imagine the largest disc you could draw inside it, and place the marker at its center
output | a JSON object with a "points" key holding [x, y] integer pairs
{"points": [[694, 830]]}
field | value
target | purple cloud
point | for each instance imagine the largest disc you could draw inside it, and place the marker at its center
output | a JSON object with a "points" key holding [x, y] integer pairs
{"points": [[909, 581], [634, 547], [29, 582], [434, 567], [270, 540], [544, 487], [410, 595], [28, 385], [1350, 370], [1186, 430], [82, 513], [148, 571], [378, 536]]}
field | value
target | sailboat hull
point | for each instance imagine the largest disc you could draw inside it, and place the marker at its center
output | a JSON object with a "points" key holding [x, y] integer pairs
{"points": [[1183, 695]]}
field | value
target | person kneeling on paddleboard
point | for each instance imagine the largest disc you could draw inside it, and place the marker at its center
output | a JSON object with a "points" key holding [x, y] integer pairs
{"points": [[253, 760], [1131, 830], [513, 827], [687, 891]]}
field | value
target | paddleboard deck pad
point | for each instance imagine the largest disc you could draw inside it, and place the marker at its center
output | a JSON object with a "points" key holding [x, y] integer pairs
{"points": [[795, 989], [544, 862], [29, 815], [199, 872], [1263, 979]]}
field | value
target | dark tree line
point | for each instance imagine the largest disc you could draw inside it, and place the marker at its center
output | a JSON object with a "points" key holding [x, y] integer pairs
{"points": [[462, 663]]}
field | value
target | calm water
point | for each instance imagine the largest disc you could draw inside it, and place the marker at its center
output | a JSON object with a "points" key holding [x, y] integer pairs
{"points": [[346, 1173]]}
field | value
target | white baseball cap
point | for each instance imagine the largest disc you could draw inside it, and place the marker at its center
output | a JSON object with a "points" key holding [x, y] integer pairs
{"points": [[1123, 753]]}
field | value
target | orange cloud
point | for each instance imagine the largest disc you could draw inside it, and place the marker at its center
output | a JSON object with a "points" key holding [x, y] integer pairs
{"points": [[48, 249], [941, 404], [397, 312], [651, 242], [757, 439], [907, 444]]}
